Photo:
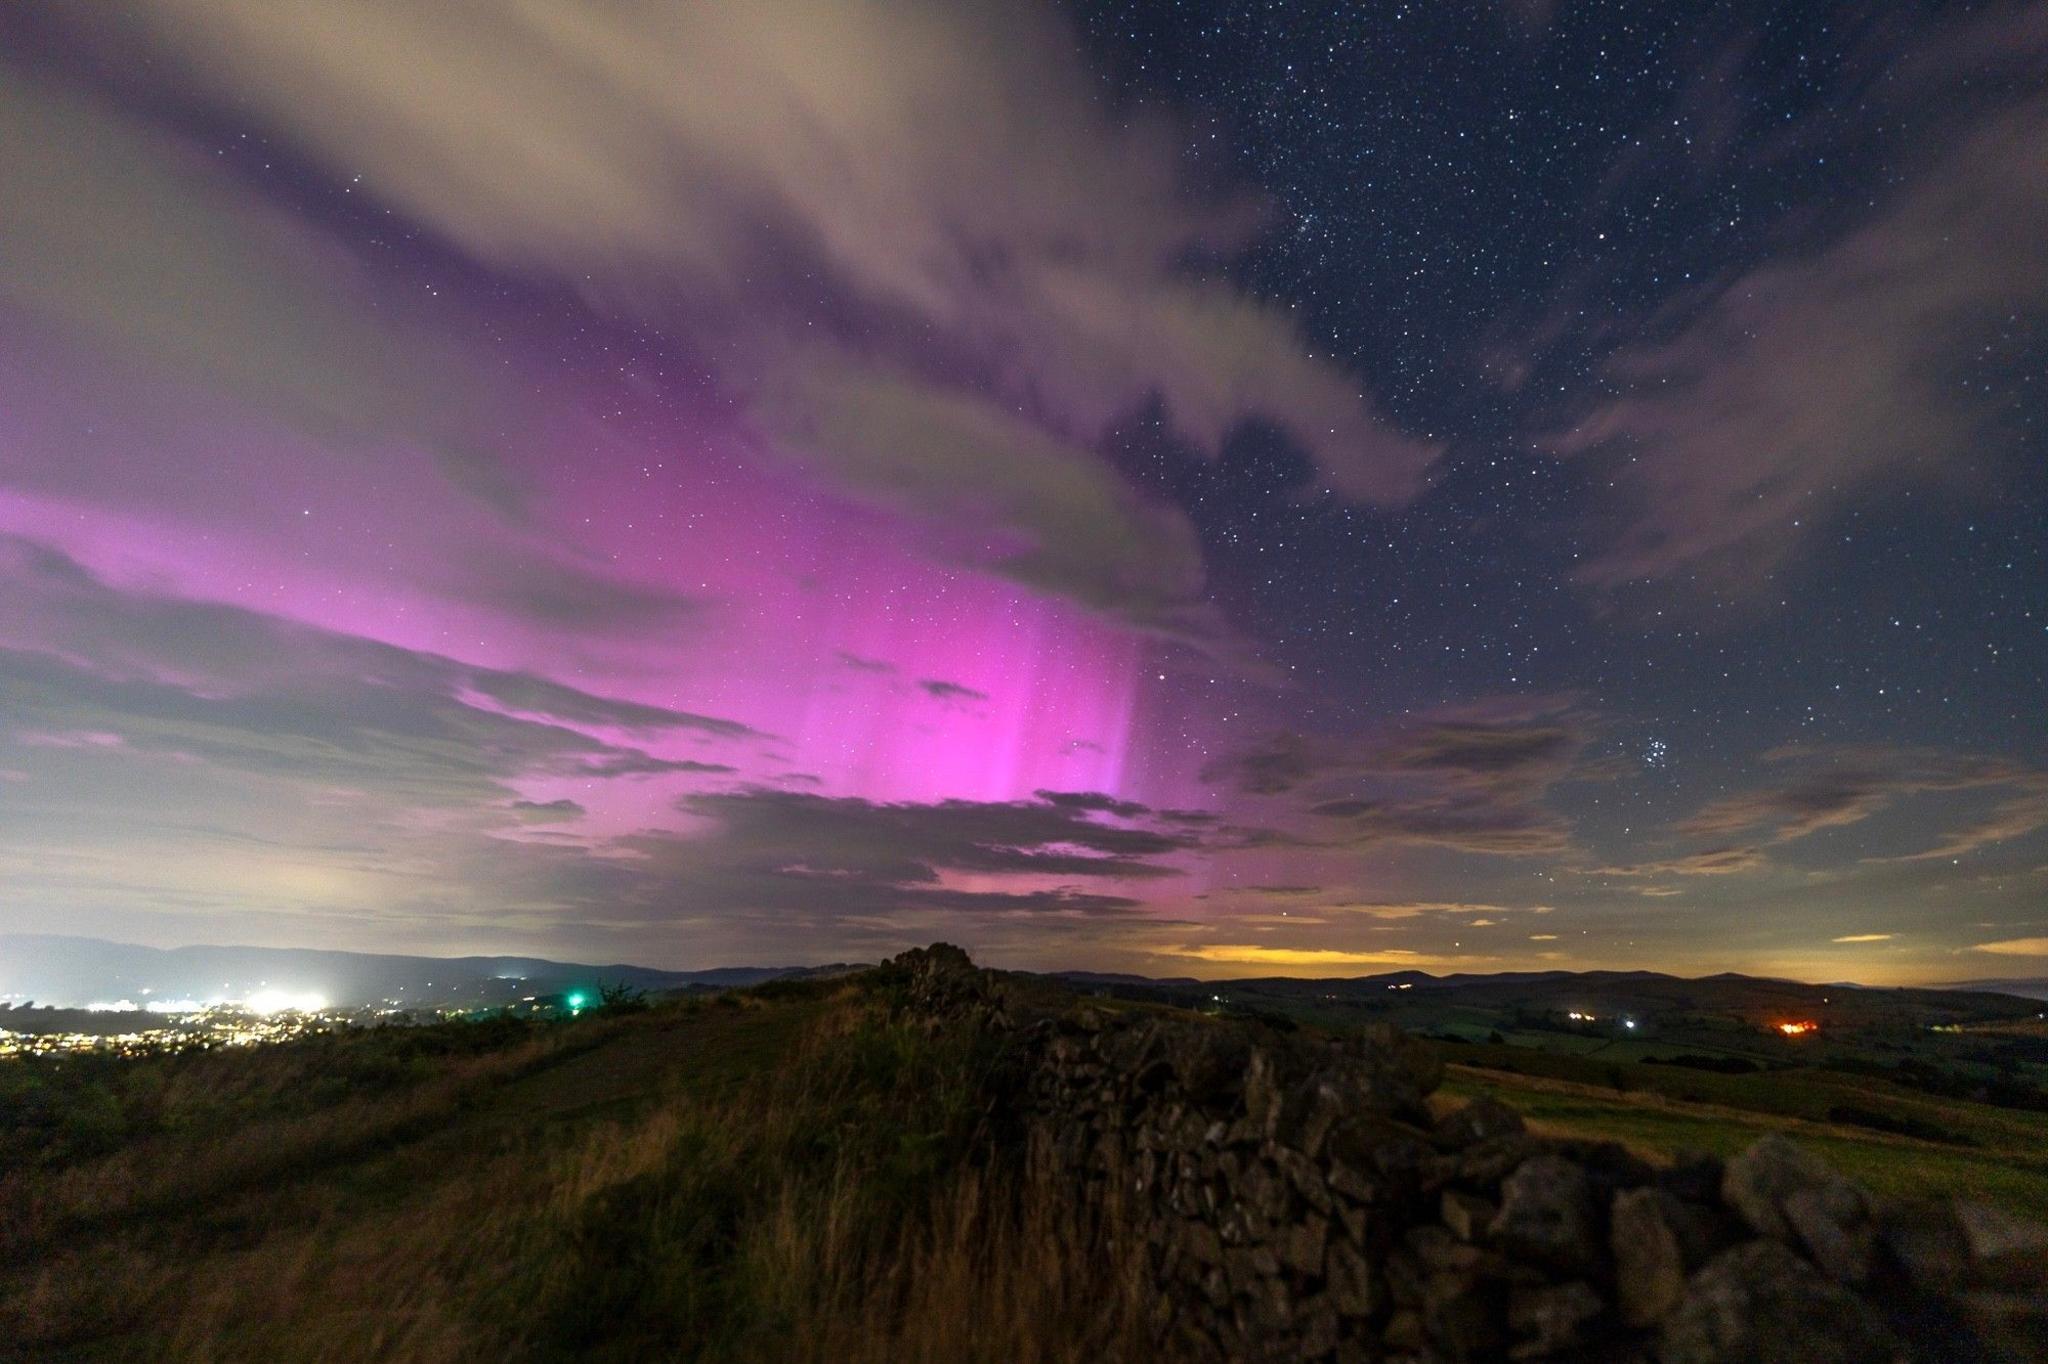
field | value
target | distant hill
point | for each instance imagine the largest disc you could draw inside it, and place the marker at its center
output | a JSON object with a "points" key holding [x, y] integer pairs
{"points": [[1757, 999], [75, 972], [2025, 988]]}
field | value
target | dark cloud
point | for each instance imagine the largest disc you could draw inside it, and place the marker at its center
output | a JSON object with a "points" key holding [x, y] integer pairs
{"points": [[763, 863], [1095, 801], [537, 588], [865, 665], [227, 686], [1277, 765], [941, 690], [539, 696], [904, 843], [630, 763], [548, 811], [1468, 778], [56, 605]]}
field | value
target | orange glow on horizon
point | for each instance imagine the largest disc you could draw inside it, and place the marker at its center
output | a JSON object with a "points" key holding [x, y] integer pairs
{"points": [[1798, 1029]]}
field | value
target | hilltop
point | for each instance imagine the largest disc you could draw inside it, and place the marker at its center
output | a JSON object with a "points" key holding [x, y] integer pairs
{"points": [[930, 1162]]}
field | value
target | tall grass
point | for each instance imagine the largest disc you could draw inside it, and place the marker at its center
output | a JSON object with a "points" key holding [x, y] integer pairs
{"points": [[860, 1199]]}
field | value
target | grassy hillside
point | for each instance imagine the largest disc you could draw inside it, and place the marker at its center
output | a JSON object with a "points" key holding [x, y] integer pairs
{"points": [[786, 1175]]}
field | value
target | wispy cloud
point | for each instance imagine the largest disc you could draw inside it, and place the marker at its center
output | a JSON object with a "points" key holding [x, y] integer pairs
{"points": [[1245, 954], [2015, 947], [1830, 788], [1821, 375], [935, 266]]}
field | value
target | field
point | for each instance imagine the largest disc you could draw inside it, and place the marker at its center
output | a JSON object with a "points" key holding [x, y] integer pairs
{"points": [[788, 1175], [1950, 1146], [1913, 1092]]}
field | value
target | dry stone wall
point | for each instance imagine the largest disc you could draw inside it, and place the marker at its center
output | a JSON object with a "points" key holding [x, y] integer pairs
{"points": [[1299, 1201]]}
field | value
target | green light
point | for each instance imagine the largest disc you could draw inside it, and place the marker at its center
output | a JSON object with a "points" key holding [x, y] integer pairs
{"points": [[578, 1000]]}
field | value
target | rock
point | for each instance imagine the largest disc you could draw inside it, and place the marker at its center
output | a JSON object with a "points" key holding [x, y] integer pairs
{"points": [[1403, 1160], [1485, 1164], [1547, 1215], [1466, 1214], [1391, 1072], [1305, 1178], [1405, 1332], [1198, 1241], [1300, 1247], [1209, 1063], [1757, 1182], [1316, 1326], [1484, 1119], [1261, 1093], [1272, 1313], [1835, 1223], [1344, 1179], [2007, 1325], [1784, 1191], [1649, 1266], [1761, 1304], [1354, 1290], [1465, 1315], [1694, 1176], [1437, 1251], [1547, 1318], [1927, 1245], [1308, 1112], [1991, 1233], [1087, 1019], [1263, 1192]]}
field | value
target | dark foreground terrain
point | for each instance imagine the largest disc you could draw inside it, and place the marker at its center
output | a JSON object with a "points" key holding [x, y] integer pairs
{"points": [[927, 1162]]}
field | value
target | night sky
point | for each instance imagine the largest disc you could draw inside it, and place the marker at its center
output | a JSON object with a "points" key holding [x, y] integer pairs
{"points": [[1187, 488]]}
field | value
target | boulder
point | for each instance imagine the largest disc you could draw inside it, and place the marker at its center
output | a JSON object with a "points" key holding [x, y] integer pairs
{"points": [[1391, 1072], [1467, 1214], [1756, 1183], [2004, 1251], [1354, 1289], [1209, 1062], [1784, 1191], [1649, 1265], [1761, 1304], [1547, 1214], [1300, 1246], [1484, 1119], [1546, 1318]]}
